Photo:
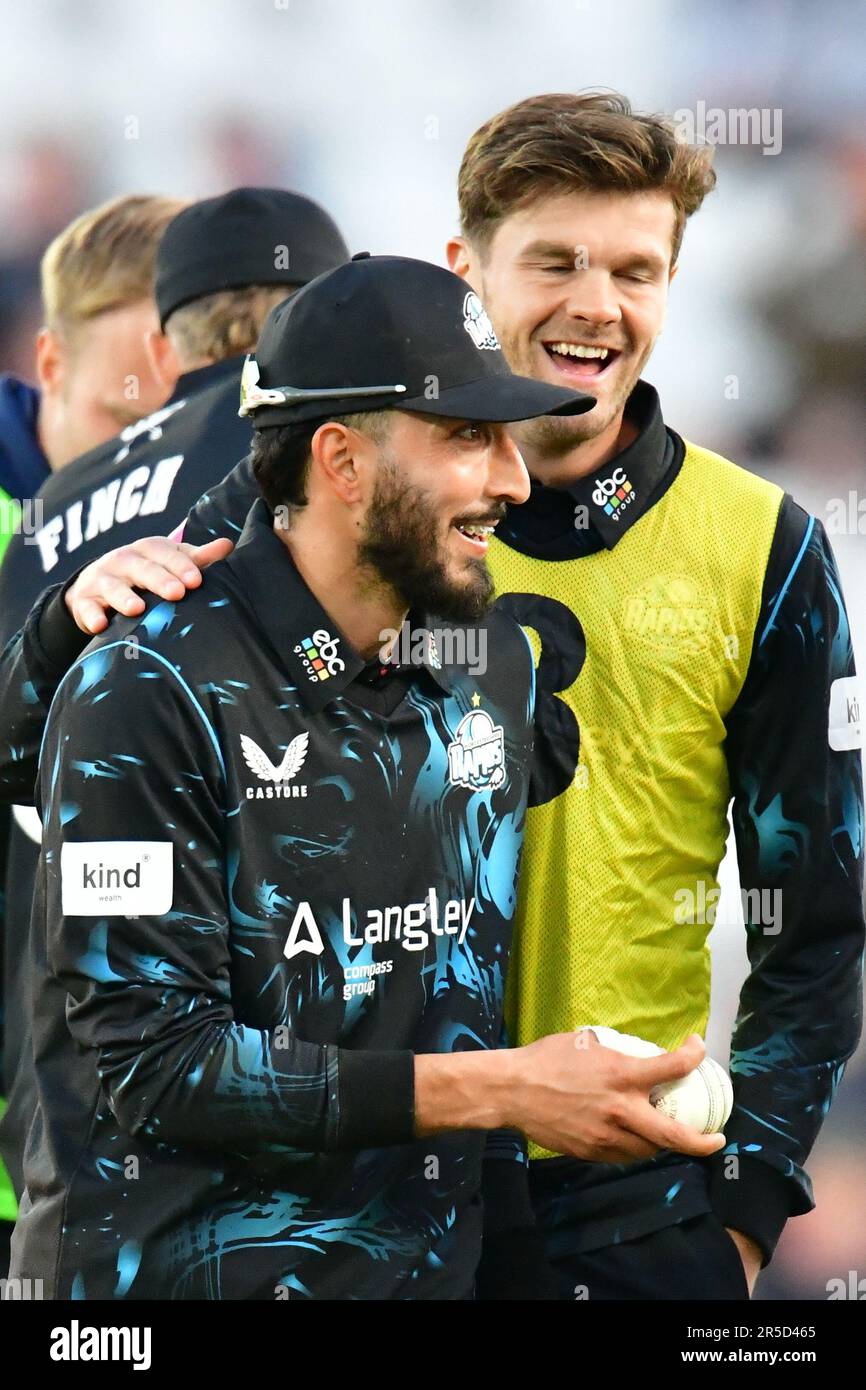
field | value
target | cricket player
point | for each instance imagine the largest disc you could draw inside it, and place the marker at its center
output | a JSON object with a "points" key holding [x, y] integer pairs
{"points": [[94, 377], [91, 363], [273, 910], [220, 266], [692, 646]]}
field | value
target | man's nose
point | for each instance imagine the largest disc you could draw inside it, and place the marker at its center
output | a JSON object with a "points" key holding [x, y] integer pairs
{"points": [[592, 296], [508, 478]]}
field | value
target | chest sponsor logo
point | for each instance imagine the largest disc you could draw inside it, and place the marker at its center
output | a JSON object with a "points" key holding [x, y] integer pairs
{"points": [[410, 925], [846, 720], [669, 611], [117, 878], [276, 776], [476, 757], [319, 655], [613, 494], [478, 325], [363, 979]]}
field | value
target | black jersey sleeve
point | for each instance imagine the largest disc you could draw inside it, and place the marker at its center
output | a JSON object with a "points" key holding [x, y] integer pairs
{"points": [[796, 779], [514, 1262], [32, 664], [131, 758], [222, 510], [35, 658]]}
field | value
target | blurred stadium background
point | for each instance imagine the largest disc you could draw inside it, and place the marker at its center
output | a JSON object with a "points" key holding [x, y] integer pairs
{"points": [[367, 107]]}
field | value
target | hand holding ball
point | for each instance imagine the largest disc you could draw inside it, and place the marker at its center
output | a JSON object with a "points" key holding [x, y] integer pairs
{"points": [[703, 1099]]}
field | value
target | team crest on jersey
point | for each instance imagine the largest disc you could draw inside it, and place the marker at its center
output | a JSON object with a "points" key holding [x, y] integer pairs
{"points": [[319, 655], [476, 321], [476, 757], [278, 777]]}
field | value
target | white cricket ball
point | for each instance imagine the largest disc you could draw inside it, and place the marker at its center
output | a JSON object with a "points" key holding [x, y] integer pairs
{"points": [[703, 1099]]}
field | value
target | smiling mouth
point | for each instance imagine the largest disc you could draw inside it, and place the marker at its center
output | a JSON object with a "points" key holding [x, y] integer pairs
{"points": [[476, 533], [581, 361]]}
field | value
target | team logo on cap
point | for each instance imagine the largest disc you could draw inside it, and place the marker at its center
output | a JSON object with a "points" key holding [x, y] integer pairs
{"points": [[476, 758], [476, 321], [319, 655]]}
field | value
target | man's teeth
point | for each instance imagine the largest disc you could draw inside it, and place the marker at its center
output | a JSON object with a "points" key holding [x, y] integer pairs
{"points": [[477, 533], [578, 350]]}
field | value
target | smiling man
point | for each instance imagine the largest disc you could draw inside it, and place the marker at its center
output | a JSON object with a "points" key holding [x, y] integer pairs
{"points": [[675, 602]]}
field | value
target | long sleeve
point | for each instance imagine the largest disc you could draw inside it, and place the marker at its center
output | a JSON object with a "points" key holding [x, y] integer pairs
{"points": [[222, 510], [796, 777], [36, 658], [32, 664], [132, 781]]}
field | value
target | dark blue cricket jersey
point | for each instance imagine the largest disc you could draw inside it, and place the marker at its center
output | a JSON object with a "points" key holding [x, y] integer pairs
{"points": [[264, 886]]}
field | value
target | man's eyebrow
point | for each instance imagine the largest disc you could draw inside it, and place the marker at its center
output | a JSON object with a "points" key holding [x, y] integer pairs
{"points": [[554, 250], [642, 261], [559, 251]]}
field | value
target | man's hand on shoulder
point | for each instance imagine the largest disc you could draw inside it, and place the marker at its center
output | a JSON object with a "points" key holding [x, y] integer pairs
{"points": [[155, 564]]}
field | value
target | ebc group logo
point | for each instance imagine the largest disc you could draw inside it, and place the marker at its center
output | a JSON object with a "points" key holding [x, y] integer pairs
{"points": [[613, 494]]}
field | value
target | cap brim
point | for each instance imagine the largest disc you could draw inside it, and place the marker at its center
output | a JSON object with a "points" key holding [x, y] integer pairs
{"points": [[495, 398], [502, 398]]}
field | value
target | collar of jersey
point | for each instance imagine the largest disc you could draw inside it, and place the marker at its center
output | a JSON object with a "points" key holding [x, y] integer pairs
{"points": [[291, 615], [202, 377], [551, 515]]}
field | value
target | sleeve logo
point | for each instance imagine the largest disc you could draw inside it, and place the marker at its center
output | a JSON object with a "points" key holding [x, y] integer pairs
{"points": [[846, 726], [117, 878]]}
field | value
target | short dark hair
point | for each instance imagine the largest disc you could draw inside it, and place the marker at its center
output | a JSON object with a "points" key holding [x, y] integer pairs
{"points": [[583, 141], [281, 455]]}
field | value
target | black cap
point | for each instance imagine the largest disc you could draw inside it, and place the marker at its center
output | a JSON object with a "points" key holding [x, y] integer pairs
{"points": [[251, 236], [385, 333]]}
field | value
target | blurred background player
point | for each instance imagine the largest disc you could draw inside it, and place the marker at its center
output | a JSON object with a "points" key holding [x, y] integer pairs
{"points": [[94, 377], [91, 363], [221, 265]]}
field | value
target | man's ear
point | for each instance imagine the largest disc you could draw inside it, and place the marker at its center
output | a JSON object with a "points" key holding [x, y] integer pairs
{"points": [[335, 450], [457, 254], [52, 358], [164, 361]]}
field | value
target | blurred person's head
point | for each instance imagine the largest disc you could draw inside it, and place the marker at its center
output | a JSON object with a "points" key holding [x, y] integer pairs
{"points": [[211, 329], [92, 362], [224, 263], [572, 213]]}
